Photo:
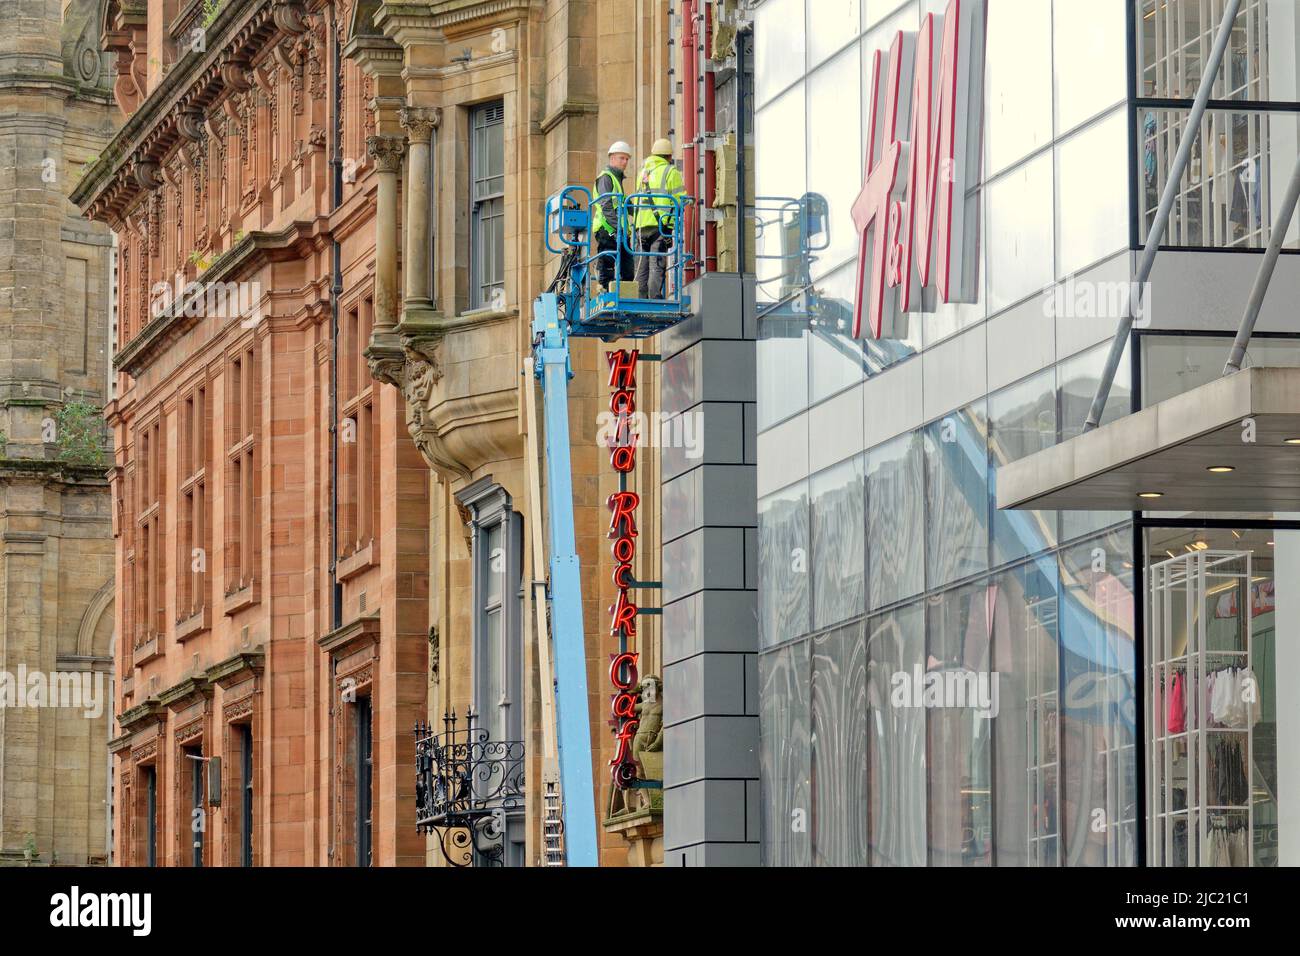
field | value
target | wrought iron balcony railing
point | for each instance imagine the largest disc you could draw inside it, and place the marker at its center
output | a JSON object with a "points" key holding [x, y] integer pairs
{"points": [[466, 784]]}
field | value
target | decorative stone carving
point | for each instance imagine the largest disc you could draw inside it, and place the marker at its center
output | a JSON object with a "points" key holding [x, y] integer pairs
{"points": [[234, 73], [289, 15], [189, 123], [420, 121], [386, 151], [420, 377], [147, 174]]}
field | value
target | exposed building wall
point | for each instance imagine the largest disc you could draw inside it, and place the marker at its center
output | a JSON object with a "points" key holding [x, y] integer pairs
{"points": [[55, 546]]}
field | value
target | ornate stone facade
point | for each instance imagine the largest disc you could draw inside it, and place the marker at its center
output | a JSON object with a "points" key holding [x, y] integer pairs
{"points": [[312, 445], [56, 568]]}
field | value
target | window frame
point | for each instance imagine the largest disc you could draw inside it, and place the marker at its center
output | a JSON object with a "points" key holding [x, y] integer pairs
{"points": [[485, 209]]}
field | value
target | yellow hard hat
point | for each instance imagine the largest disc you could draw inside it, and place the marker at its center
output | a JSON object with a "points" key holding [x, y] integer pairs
{"points": [[662, 148]]}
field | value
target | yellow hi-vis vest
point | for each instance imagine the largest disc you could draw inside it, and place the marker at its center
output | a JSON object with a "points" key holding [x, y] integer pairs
{"points": [[659, 175], [599, 223]]}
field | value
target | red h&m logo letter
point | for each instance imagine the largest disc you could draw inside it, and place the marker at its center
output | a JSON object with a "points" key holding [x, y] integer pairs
{"points": [[928, 219]]}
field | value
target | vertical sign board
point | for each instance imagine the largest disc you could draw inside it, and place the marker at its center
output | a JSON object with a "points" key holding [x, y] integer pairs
{"points": [[623, 506], [918, 213]]}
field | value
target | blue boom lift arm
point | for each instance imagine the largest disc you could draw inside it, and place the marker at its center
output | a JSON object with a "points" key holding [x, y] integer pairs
{"points": [[564, 311]]}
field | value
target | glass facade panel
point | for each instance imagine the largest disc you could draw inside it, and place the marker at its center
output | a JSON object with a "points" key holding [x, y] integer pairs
{"points": [[779, 47], [1019, 249], [831, 25], [1173, 364], [1076, 380], [956, 495], [837, 360], [835, 150], [1174, 39], [839, 747], [1090, 56], [896, 519], [1018, 81], [1092, 178], [838, 545], [896, 746], [785, 755], [783, 565], [1022, 420], [1098, 703], [958, 626], [1232, 192], [1026, 730]]}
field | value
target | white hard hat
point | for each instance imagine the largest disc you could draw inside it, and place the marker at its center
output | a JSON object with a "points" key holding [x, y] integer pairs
{"points": [[620, 147]]}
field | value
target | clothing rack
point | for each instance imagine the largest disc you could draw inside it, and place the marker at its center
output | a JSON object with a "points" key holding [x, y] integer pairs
{"points": [[1200, 777]]}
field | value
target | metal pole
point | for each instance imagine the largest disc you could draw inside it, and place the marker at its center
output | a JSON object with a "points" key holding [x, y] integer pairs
{"points": [[1265, 274], [1152, 246]]}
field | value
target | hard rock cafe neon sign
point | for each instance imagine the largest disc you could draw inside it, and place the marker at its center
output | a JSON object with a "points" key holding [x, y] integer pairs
{"points": [[622, 531], [919, 232]]}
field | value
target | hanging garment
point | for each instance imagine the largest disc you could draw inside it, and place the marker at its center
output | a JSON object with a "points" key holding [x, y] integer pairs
{"points": [[1217, 851], [1177, 705], [1239, 847], [1246, 692]]}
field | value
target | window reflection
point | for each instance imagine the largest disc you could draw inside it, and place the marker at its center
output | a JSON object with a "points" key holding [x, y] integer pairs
{"points": [[896, 517], [839, 738], [1026, 729], [1235, 180], [1098, 704], [1174, 364], [959, 731], [1077, 379], [957, 505], [838, 548], [784, 748], [1022, 420], [783, 565], [896, 748], [1174, 39]]}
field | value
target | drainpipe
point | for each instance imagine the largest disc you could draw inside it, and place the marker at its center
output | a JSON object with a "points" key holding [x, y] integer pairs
{"points": [[690, 121], [706, 132], [336, 290]]}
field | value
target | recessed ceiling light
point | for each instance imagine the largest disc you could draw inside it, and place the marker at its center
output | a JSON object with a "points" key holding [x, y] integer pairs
{"points": [[1221, 469], [1270, 544], [1291, 441], [1200, 546], [1151, 494]]}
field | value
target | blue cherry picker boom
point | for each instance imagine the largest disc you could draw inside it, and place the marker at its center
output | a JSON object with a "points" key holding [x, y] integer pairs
{"points": [[574, 306]]}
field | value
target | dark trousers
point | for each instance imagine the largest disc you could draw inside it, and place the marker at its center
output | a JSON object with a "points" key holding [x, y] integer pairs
{"points": [[605, 243], [653, 266]]}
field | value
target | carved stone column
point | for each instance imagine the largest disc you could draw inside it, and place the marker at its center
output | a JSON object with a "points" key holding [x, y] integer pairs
{"points": [[419, 123], [386, 151]]}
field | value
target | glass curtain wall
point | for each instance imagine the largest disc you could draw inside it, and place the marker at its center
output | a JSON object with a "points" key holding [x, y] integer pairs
{"points": [[941, 683]]}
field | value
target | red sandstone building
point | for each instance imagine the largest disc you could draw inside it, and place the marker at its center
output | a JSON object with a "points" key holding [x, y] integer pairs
{"points": [[320, 447]]}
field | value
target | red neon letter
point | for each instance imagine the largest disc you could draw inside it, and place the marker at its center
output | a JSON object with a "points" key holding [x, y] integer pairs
{"points": [[622, 368], [623, 505], [624, 613]]}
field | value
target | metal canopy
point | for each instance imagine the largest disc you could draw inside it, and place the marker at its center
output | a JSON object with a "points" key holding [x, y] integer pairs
{"points": [[1170, 447]]}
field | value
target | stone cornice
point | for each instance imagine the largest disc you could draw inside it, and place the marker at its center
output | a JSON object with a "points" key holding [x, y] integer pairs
{"points": [[241, 34], [294, 241], [228, 671], [139, 715], [360, 631], [189, 691]]}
